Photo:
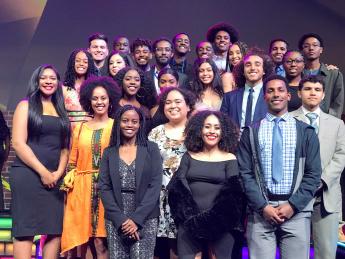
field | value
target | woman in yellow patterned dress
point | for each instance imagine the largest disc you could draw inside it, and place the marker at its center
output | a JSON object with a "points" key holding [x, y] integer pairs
{"points": [[84, 212]]}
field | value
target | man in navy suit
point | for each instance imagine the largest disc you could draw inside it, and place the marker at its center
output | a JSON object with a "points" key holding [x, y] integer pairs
{"points": [[246, 104]]}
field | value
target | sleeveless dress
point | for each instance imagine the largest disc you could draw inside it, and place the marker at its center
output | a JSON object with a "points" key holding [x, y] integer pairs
{"points": [[84, 211], [35, 208]]}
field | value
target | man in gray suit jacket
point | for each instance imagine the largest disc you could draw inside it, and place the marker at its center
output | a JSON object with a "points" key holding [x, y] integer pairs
{"points": [[331, 134]]}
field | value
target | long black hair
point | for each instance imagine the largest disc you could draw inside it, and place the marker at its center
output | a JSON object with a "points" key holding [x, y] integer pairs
{"points": [[116, 138], [36, 109], [198, 86], [71, 75]]}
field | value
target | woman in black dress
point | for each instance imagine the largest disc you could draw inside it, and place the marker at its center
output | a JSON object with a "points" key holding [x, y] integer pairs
{"points": [[4, 151], [40, 138], [130, 182], [205, 195]]}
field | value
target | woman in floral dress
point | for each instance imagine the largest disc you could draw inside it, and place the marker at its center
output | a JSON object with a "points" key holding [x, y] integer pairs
{"points": [[176, 104]]}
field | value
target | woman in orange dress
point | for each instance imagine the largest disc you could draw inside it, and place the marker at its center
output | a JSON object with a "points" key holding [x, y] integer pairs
{"points": [[84, 213]]}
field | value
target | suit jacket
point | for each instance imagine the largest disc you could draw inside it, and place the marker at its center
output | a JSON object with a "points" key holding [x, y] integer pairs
{"points": [[232, 106], [148, 172], [332, 151], [306, 174], [333, 103]]}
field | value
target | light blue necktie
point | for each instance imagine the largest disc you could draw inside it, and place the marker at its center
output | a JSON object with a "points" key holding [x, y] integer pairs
{"points": [[312, 116], [277, 151]]}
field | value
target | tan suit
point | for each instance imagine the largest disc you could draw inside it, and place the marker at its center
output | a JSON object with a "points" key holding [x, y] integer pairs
{"points": [[326, 214]]}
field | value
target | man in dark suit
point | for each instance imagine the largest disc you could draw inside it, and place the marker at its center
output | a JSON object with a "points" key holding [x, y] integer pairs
{"points": [[280, 168], [163, 53], [331, 134], [246, 104]]}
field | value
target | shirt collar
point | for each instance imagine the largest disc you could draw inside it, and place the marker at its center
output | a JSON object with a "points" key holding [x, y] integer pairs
{"points": [[317, 111], [284, 117], [256, 88]]}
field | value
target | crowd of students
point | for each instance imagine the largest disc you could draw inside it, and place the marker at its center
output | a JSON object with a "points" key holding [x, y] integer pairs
{"points": [[128, 159]]}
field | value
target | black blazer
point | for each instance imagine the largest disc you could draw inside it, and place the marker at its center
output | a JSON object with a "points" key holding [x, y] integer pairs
{"points": [[148, 171]]}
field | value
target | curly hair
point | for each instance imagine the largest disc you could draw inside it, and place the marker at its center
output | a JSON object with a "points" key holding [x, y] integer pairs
{"points": [[198, 87], [238, 70], [188, 97], [243, 49], [116, 136], [71, 74], [229, 132], [146, 94], [111, 87], [222, 26], [141, 42]]}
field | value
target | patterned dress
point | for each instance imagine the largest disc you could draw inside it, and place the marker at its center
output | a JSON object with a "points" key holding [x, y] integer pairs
{"points": [[84, 212], [171, 151], [145, 246], [73, 107]]}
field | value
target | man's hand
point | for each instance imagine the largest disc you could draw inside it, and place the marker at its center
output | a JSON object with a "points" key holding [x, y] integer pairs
{"points": [[285, 211], [271, 215], [129, 227]]}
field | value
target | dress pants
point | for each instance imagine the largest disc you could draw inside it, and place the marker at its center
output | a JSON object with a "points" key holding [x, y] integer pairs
{"points": [[325, 232], [292, 237]]}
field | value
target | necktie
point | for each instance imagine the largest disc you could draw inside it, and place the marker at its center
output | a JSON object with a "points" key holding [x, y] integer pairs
{"points": [[312, 116], [248, 118], [277, 151]]}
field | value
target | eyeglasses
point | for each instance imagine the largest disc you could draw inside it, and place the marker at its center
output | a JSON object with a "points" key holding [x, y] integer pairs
{"points": [[163, 49], [297, 61]]}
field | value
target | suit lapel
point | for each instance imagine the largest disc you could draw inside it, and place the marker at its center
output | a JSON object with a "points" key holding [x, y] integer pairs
{"points": [[114, 163], [300, 115], [239, 100], [323, 128], [260, 107], [139, 165]]}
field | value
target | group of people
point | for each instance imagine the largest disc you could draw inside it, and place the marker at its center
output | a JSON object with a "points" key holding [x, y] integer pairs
{"points": [[122, 159]]}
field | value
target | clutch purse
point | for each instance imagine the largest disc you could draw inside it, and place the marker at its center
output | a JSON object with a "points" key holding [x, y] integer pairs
{"points": [[68, 181]]}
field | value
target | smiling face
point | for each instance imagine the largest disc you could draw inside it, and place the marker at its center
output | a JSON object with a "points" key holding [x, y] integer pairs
{"points": [[81, 63], [311, 95], [235, 55], [293, 64], [131, 82], [253, 69], [48, 82], [99, 50], [100, 101], [277, 51], [277, 97], [222, 41], [116, 63], [129, 124], [205, 50], [211, 132], [142, 55], [182, 44], [206, 74], [175, 107], [167, 80]]}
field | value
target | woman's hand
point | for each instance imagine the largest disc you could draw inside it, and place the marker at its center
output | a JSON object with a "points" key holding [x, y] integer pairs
{"points": [[48, 180], [130, 228]]}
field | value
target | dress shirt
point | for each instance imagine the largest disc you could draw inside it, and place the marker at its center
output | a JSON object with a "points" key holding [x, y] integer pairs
{"points": [[289, 135], [256, 93], [317, 111]]}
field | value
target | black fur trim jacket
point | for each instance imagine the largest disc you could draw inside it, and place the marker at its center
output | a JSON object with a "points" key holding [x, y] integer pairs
{"points": [[226, 215]]}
